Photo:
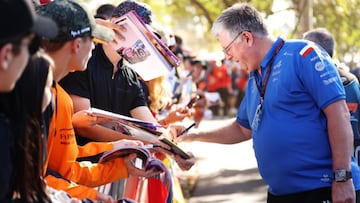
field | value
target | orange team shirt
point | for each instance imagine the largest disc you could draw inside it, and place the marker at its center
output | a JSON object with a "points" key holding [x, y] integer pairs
{"points": [[63, 152], [222, 77]]}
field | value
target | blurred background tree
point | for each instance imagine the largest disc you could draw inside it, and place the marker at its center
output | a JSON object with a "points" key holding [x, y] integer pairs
{"points": [[340, 18], [192, 20]]}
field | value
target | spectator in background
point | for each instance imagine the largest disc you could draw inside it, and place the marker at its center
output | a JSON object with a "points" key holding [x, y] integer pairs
{"points": [[183, 88], [219, 80], [356, 71], [240, 84], [211, 81], [105, 11], [235, 75], [198, 75], [198, 78], [177, 47], [325, 39], [174, 76]]}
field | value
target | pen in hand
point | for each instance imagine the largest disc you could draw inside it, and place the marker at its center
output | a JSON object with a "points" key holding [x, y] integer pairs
{"points": [[150, 146], [186, 130]]}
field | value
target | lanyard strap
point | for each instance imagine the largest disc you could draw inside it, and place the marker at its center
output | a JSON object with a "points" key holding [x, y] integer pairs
{"points": [[262, 89]]}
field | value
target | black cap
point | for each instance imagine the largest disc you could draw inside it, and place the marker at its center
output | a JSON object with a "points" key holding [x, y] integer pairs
{"points": [[74, 20], [19, 17]]}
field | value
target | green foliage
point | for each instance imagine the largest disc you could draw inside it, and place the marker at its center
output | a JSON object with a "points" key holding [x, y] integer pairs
{"points": [[340, 17], [192, 20]]}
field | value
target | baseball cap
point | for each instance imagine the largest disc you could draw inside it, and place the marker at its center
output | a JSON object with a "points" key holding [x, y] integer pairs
{"points": [[19, 17], [74, 21]]}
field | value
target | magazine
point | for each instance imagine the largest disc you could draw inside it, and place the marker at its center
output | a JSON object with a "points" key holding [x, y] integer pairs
{"points": [[143, 159], [143, 155], [143, 50], [142, 130]]}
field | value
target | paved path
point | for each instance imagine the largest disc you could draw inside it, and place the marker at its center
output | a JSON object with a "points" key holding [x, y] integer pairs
{"points": [[227, 173]]}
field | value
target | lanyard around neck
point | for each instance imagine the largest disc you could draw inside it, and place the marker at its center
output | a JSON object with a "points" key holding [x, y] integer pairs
{"points": [[262, 89]]}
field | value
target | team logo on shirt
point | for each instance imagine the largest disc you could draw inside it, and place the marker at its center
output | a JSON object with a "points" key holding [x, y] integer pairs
{"points": [[352, 106], [319, 66], [287, 54], [306, 51]]}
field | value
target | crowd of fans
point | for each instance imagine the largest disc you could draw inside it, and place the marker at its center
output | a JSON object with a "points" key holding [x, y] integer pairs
{"points": [[77, 60], [58, 61]]}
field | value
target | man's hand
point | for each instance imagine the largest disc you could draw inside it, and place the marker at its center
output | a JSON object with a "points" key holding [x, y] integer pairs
{"points": [[85, 118], [133, 170], [176, 115], [185, 164], [118, 29], [101, 197], [124, 142], [176, 130], [343, 192]]}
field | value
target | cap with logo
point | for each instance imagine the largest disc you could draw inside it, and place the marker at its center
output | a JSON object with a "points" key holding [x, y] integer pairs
{"points": [[19, 17], [74, 21]]}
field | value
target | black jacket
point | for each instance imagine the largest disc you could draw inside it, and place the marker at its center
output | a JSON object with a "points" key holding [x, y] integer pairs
{"points": [[6, 149]]}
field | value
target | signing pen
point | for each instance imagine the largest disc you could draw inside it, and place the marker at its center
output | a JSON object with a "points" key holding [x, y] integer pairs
{"points": [[149, 146], [186, 130]]}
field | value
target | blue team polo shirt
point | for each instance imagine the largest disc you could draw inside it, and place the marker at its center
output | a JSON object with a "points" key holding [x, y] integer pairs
{"points": [[291, 143]]}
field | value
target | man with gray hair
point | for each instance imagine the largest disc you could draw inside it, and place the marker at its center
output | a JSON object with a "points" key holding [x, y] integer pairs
{"points": [[294, 110]]}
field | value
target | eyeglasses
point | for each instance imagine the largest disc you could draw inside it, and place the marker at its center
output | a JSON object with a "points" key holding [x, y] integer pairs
{"points": [[226, 49]]}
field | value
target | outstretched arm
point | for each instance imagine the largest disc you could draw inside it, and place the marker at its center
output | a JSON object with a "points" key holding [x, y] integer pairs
{"points": [[86, 125], [231, 133]]}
